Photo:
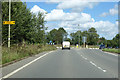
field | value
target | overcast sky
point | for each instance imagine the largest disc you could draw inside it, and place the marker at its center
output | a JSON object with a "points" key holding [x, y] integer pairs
{"points": [[75, 15]]}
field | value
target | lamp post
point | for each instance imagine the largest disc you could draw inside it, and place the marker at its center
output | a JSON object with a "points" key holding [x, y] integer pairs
{"points": [[79, 35]]}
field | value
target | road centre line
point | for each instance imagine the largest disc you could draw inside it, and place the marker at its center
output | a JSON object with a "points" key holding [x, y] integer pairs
{"points": [[83, 57], [15, 71], [93, 63]]}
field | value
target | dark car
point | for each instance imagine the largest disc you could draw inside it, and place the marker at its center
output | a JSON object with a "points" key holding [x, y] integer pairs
{"points": [[109, 47], [116, 47], [102, 46]]}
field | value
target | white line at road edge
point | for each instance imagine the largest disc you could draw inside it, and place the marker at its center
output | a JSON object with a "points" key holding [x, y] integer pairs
{"points": [[15, 71], [111, 53]]}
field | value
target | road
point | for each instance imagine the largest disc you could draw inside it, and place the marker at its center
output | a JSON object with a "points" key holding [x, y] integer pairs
{"points": [[74, 63]]}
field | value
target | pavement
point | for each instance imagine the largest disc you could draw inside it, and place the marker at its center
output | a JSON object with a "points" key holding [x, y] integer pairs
{"points": [[74, 63]]}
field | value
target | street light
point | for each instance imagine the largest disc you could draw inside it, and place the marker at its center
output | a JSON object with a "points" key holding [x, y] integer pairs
{"points": [[79, 34]]}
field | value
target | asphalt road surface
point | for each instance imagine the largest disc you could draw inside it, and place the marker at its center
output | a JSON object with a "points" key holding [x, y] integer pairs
{"points": [[74, 63]]}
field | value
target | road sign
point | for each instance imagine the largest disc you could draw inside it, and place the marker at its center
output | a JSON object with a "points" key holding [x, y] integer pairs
{"points": [[8, 22], [84, 39], [50, 41]]}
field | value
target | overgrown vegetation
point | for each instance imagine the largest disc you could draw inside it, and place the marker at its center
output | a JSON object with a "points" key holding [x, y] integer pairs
{"points": [[18, 52], [112, 50]]}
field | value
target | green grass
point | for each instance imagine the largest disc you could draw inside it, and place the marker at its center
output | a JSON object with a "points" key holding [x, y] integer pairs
{"points": [[112, 50], [58, 45], [16, 53]]}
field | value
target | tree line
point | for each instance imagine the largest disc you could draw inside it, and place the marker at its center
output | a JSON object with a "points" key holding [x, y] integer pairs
{"points": [[31, 28], [28, 27], [93, 38]]}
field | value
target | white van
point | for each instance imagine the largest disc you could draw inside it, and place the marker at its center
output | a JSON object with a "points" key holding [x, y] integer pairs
{"points": [[65, 45]]}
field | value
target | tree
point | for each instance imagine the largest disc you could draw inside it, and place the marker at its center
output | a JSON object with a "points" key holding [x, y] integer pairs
{"points": [[93, 36], [116, 40], [61, 34], [28, 27], [102, 40], [53, 35], [68, 39], [73, 38], [57, 36]]}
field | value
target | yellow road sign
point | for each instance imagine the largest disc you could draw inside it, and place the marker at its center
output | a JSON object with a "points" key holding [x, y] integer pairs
{"points": [[8, 22]]}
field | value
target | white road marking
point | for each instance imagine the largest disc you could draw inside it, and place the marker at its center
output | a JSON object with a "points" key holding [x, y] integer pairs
{"points": [[111, 53], [83, 57], [93, 48], [15, 71], [94, 64], [57, 47], [97, 66]]}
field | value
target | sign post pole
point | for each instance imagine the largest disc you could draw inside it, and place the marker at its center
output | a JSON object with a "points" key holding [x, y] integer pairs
{"points": [[9, 24], [84, 41]]}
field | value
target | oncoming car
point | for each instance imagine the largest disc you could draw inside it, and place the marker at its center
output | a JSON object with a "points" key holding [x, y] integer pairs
{"points": [[66, 45], [102, 46]]}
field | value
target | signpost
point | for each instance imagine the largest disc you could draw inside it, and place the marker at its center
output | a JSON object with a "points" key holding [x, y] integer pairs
{"points": [[9, 22], [84, 40]]}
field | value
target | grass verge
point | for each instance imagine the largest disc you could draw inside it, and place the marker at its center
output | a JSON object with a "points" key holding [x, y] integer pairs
{"points": [[112, 50], [17, 53], [93, 46]]}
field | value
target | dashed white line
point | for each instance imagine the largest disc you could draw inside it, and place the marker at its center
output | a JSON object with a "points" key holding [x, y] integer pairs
{"points": [[97, 66], [15, 71], [83, 57], [94, 64]]}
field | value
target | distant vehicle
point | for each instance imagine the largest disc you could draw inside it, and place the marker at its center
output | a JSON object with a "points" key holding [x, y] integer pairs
{"points": [[102, 46], [109, 47], [116, 47], [66, 45]]}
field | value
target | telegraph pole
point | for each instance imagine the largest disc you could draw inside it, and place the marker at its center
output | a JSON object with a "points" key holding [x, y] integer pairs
{"points": [[9, 24], [79, 35], [79, 39]]}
